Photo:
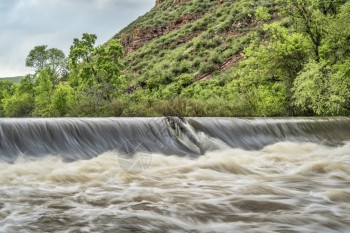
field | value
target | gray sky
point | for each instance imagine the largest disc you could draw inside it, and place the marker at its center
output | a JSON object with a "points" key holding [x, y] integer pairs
{"points": [[25, 24]]}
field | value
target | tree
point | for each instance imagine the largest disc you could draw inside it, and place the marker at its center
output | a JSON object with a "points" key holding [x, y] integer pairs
{"points": [[37, 58], [53, 60], [56, 64], [27, 85], [311, 88], [62, 99], [19, 102], [322, 87], [43, 90], [107, 66], [336, 43], [95, 75], [5, 86], [81, 61], [311, 17], [98, 65], [340, 88], [270, 68], [82, 50]]}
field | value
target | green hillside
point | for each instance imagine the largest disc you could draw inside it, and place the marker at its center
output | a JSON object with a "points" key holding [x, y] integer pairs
{"points": [[197, 48], [198, 58], [219, 58], [16, 79], [203, 40]]}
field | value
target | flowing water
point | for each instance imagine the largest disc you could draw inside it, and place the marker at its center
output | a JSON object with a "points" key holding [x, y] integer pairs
{"points": [[175, 175]]}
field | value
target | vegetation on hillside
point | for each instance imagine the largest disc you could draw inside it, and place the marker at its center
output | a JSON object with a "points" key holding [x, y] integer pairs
{"points": [[240, 58], [15, 79]]}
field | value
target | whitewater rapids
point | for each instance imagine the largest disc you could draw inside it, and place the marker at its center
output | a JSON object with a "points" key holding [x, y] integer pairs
{"points": [[201, 183]]}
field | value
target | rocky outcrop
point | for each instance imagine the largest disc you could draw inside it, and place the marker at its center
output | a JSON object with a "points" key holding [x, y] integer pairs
{"points": [[139, 37], [159, 2], [142, 36]]}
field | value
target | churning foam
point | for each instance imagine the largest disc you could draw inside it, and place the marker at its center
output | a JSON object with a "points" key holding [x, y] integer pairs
{"points": [[284, 187]]}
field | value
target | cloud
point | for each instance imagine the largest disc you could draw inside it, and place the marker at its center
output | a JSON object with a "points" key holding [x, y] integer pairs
{"points": [[25, 24], [103, 3]]}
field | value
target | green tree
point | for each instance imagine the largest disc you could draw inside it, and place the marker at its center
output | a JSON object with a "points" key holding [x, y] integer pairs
{"points": [[340, 88], [271, 63], [312, 17], [82, 50], [5, 86], [311, 88], [322, 87], [56, 64], [37, 58], [53, 60], [27, 85], [43, 90], [62, 99], [336, 43], [95, 75], [19, 102], [323, 90], [108, 76], [81, 61]]}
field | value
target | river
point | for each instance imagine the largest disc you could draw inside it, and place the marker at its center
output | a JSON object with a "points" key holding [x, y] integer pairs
{"points": [[175, 175]]}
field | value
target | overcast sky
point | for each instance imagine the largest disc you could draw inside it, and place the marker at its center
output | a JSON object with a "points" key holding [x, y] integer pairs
{"points": [[25, 24]]}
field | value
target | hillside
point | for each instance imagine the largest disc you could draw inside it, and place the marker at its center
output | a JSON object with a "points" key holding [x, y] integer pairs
{"points": [[180, 42], [204, 57], [198, 58], [198, 38], [16, 79]]}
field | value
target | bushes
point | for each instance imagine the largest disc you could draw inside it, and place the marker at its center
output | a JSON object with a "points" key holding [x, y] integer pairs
{"points": [[214, 107], [208, 67], [19, 105]]}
